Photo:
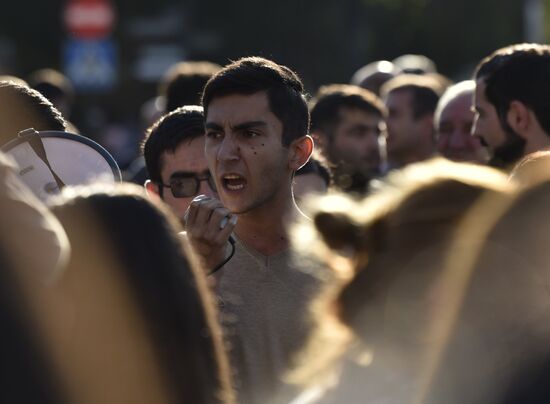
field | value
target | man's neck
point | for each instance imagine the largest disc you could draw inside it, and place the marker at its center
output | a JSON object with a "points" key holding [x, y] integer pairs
{"points": [[538, 142], [265, 230]]}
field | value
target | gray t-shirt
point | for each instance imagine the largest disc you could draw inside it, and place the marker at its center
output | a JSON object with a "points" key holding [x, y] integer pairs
{"points": [[264, 303]]}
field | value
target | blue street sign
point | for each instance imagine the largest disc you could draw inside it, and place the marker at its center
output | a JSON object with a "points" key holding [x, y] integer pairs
{"points": [[91, 64]]}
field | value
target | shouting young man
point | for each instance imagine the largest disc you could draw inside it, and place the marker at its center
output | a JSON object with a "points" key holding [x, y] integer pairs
{"points": [[257, 122]]}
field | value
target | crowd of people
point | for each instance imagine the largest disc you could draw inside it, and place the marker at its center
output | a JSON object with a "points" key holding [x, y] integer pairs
{"points": [[381, 242]]}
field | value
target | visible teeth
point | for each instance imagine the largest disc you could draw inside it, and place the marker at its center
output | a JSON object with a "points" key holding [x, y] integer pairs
{"points": [[235, 187], [231, 177]]}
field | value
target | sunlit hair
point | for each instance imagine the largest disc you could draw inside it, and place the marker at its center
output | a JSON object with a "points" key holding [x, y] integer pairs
{"points": [[373, 75], [496, 296], [366, 243], [14, 79], [415, 64], [22, 108], [453, 92], [120, 237]]}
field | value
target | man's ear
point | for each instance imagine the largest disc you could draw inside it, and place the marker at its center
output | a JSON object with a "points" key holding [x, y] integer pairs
{"points": [[300, 151], [152, 189], [518, 117]]}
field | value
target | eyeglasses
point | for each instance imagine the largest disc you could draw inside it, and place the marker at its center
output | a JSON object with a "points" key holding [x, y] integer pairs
{"points": [[186, 185]]}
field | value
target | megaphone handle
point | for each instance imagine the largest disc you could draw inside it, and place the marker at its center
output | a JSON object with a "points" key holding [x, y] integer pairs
{"points": [[34, 139]]}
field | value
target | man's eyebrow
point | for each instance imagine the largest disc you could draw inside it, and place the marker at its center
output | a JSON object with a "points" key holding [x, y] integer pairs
{"points": [[240, 126], [177, 174], [248, 125], [213, 126]]}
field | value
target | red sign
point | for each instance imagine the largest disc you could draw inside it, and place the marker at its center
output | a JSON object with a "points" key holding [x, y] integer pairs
{"points": [[89, 19]]}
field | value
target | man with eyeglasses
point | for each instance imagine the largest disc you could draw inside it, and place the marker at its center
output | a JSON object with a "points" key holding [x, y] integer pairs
{"points": [[347, 124], [174, 156]]}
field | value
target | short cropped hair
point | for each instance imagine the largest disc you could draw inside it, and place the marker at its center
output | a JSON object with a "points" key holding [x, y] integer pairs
{"points": [[330, 99], [22, 108], [184, 82], [518, 72], [425, 92], [284, 89], [453, 92], [182, 124]]}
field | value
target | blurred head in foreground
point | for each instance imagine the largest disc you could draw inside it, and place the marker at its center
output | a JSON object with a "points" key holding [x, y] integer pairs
{"points": [[391, 251], [137, 322]]}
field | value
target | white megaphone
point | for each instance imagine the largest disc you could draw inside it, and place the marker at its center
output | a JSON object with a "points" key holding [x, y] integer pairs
{"points": [[49, 160]]}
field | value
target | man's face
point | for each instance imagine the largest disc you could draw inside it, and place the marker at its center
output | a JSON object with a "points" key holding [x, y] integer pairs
{"points": [[355, 139], [188, 158], [402, 127], [454, 138], [505, 145], [245, 153], [486, 124]]}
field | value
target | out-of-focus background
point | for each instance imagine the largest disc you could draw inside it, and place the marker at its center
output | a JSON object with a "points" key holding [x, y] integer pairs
{"points": [[115, 51]]}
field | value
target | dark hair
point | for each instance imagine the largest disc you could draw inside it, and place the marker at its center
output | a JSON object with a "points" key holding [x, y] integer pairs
{"points": [[425, 92], [330, 99], [518, 72], [317, 166], [182, 124], [22, 108], [283, 87], [171, 295], [184, 82]]}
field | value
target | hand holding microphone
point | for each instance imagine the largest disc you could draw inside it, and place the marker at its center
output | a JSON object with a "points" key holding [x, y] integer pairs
{"points": [[209, 225]]}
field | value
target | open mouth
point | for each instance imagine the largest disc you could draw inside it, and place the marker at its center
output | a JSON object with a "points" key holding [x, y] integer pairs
{"points": [[233, 182]]}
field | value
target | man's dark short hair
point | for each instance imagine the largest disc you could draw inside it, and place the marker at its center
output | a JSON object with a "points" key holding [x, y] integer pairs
{"points": [[22, 108], [181, 125], [331, 99], [425, 92], [284, 90], [184, 82], [518, 72]]}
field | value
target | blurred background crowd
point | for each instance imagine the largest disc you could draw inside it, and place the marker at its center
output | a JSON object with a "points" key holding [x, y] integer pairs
{"points": [[117, 55], [414, 268]]}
